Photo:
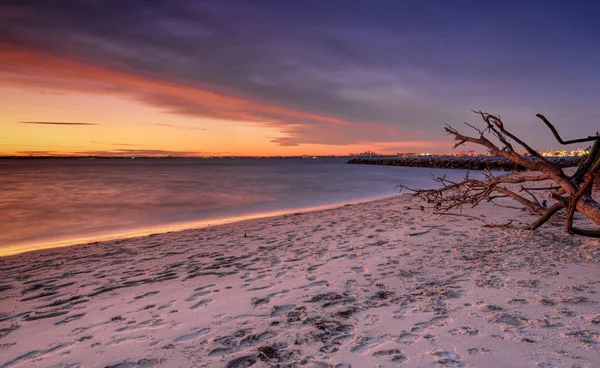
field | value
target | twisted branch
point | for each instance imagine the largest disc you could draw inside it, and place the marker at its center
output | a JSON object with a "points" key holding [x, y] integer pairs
{"points": [[570, 193]]}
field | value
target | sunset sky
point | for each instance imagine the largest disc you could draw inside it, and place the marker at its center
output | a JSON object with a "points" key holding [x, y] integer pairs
{"points": [[228, 77]]}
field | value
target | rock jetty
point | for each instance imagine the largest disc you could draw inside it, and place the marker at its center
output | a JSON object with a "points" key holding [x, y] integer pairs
{"points": [[456, 162]]}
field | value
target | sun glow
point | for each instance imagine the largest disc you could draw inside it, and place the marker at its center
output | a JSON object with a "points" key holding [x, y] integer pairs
{"points": [[111, 112]]}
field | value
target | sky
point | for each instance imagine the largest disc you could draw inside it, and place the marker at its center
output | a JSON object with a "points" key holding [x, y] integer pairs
{"points": [[232, 77]]}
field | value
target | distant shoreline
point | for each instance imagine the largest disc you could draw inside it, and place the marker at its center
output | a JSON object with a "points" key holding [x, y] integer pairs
{"points": [[456, 162], [159, 157]]}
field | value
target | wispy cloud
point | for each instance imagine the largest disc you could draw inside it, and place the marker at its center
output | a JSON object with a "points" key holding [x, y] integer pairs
{"points": [[139, 152], [112, 144], [55, 123], [117, 153], [180, 126], [182, 99]]}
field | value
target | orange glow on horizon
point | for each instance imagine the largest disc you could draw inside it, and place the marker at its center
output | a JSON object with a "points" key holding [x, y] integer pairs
{"points": [[140, 116]]}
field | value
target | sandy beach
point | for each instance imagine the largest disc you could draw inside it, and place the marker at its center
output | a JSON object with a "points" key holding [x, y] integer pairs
{"points": [[299, 184], [355, 286]]}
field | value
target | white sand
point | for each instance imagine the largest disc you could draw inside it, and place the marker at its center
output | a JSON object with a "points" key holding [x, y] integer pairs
{"points": [[335, 288]]}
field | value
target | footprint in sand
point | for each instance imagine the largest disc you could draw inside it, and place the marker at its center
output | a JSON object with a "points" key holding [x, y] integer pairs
{"points": [[219, 352], [70, 319], [252, 340], [151, 323], [197, 295], [35, 316], [464, 331], [594, 319], [327, 365], [202, 303], [128, 339], [168, 305], [565, 312], [387, 352], [285, 291], [447, 359], [37, 354], [278, 310], [585, 337], [315, 284], [242, 362], [256, 278], [223, 345], [192, 336], [313, 268], [146, 295], [142, 363], [407, 338], [203, 287], [260, 301], [364, 343], [260, 288], [478, 351]]}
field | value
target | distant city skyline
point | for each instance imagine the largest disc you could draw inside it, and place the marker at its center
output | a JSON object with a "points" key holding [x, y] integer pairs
{"points": [[548, 153], [239, 78]]}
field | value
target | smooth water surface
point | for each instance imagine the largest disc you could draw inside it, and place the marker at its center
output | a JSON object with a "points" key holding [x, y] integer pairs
{"points": [[44, 201]]}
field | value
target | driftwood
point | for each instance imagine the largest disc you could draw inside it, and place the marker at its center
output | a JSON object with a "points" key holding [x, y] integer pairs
{"points": [[487, 224], [431, 227], [569, 193]]}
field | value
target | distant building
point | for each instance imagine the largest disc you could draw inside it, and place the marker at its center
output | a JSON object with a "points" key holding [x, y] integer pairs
{"points": [[366, 154]]}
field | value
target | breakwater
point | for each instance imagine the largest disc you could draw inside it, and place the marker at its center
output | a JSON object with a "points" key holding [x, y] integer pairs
{"points": [[456, 162]]}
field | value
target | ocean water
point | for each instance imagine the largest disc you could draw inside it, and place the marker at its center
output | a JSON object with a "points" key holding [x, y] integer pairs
{"points": [[45, 203]]}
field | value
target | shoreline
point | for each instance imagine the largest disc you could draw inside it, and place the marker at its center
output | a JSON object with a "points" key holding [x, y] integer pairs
{"points": [[457, 162], [350, 286], [176, 227]]}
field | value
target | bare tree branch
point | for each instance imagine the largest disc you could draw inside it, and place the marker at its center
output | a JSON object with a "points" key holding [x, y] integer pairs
{"points": [[547, 215], [487, 224], [572, 193], [560, 140], [587, 164]]}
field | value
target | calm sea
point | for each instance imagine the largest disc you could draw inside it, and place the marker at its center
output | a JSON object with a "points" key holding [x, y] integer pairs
{"points": [[47, 202]]}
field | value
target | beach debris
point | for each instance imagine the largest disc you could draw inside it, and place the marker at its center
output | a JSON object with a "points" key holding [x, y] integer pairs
{"points": [[571, 193], [431, 227]]}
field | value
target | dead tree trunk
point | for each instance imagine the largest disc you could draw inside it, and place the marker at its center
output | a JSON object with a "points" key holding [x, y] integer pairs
{"points": [[571, 193]]}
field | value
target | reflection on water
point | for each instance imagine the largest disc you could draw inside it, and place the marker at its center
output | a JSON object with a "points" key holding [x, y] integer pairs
{"points": [[45, 201]]}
